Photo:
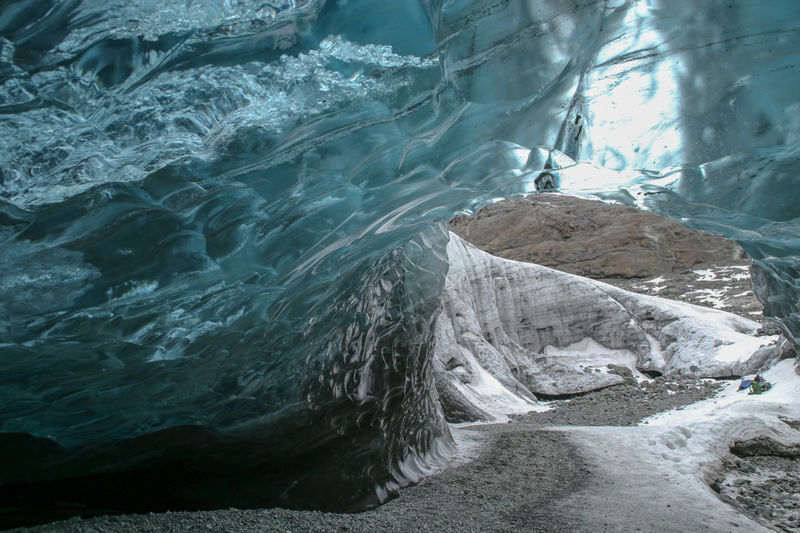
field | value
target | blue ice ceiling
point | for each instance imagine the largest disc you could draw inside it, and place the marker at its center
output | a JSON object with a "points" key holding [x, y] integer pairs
{"points": [[230, 216]]}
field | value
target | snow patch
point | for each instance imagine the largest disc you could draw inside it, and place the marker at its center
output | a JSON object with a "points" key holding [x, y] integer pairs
{"points": [[485, 391], [589, 353], [783, 399], [713, 297], [729, 273]]}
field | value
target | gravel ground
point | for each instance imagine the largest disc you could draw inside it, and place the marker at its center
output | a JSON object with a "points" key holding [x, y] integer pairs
{"points": [[504, 490], [514, 484], [624, 405]]}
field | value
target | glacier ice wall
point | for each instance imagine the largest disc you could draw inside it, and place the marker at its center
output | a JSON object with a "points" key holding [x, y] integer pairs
{"points": [[512, 333], [222, 223]]}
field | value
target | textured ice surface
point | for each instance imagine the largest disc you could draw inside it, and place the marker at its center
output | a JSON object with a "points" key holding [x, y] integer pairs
{"points": [[228, 216], [510, 332]]}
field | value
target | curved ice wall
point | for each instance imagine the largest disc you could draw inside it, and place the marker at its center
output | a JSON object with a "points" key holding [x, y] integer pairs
{"points": [[223, 222]]}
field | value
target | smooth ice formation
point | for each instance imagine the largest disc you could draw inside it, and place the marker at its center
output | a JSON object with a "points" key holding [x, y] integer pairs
{"points": [[222, 223], [512, 332]]}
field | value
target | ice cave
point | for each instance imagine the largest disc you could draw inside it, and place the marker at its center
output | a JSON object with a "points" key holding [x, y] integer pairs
{"points": [[224, 228]]}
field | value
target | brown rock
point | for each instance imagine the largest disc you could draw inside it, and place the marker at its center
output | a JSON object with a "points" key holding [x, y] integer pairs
{"points": [[591, 238]]}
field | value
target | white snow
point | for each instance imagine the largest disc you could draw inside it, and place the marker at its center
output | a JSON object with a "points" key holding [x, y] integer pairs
{"points": [[705, 332], [485, 391], [658, 285], [589, 353], [783, 399], [661, 465], [714, 297], [705, 275], [728, 273]]}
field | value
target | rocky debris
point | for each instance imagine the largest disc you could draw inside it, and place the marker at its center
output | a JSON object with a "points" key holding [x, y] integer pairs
{"points": [[765, 446], [624, 405], [510, 332], [508, 489], [767, 487], [591, 238]]}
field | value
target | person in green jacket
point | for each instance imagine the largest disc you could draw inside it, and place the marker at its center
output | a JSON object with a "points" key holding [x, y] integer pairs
{"points": [[759, 385]]}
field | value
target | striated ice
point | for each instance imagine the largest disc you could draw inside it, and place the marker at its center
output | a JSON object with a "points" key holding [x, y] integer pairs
{"points": [[541, 332]]}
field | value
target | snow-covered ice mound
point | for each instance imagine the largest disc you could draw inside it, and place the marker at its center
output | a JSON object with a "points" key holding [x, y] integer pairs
{"points": [[510, 332]]}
